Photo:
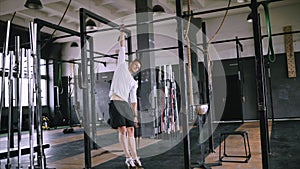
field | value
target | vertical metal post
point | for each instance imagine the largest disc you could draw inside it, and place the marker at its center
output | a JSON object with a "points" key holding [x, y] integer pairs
{"points": [[30, 107], [92, 81], [238, 47], [207, 87], [85, 91], [69, 102], [194, 56], [75, 88], [145, 40], [10, 98], [266, 103], [204, 86], [270, 88], [182, 80], [18, 66], [5, 53], [129, 46], [259, 64], [37, 70]]}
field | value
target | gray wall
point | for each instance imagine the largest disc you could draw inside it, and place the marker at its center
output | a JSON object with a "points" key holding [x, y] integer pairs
{"points": [[285, 91]]}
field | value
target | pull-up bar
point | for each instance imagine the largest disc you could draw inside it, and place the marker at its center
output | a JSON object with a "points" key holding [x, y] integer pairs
{"points": [[42, 23], [86, 13], [227, 8]]}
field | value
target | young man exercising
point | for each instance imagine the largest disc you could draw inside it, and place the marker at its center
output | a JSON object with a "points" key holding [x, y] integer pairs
{"points": [[123, 104]]}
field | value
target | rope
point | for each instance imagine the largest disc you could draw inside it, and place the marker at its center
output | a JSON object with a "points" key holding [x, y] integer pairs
{"points": [[206, 49], [61, 19], [186, 37], [222, 23], [209, 63], [13, 17]]}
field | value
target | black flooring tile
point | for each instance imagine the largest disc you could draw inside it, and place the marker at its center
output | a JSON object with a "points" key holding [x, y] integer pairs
{"points": [[173, 158], [285, 145]]}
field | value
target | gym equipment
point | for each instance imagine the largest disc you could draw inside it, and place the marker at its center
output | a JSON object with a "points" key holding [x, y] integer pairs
{"points": [[10, 94], [247, 155], [4, 55], [19, 68], [261, 86], [30, 106], [24, 151]]}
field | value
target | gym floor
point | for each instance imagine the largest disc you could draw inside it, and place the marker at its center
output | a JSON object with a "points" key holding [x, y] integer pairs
{"points": [[67, 150]]}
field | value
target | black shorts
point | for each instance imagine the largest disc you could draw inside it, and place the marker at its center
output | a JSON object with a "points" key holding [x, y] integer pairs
{"points": [[121, 114]]}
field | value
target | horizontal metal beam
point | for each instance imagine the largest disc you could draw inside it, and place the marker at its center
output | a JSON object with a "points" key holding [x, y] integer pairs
{"points": [[247, 38], [56, 27], [132, 25], [227, 8]]}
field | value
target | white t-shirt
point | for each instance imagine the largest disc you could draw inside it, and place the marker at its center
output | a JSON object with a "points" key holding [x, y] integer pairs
{"points": [[123, 84]]}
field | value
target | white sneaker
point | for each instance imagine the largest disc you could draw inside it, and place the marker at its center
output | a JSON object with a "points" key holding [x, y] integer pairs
{"points": [[137, 162], [129, 162]]}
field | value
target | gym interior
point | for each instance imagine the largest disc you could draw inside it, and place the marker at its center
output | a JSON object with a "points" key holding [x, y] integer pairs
{"points": [[218, 86]]}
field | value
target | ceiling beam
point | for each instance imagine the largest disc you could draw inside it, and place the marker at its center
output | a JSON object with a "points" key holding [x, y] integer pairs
{"points": [[169, 7], [128, 6], [56, 10], [199, 3], [106, 2], [44, 16], [91, 6]]}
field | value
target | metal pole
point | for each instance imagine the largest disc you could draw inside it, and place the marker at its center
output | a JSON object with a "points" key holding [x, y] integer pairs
{"points": [[270, 88], [85, 91], [30, 107], [239, 48], [266, 102], [226, 8], [259, 63], [70, 102], [92, 91], [20, 107], [19, 56], [10, 98], [75, 91], [32, 32], [182, 80], [207, 87], [129, 46], [117, 27], [57, 107], [39, 112], [5, 53]]}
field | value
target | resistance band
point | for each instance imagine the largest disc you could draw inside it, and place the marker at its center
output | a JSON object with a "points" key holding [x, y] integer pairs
{"points": [[271, 55]]}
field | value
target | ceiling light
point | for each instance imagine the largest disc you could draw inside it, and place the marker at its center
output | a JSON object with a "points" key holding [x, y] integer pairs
{"points": [[250, 17], [74, 44], [158, 8], [240, 1], [33, 4], [90, 24]]}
